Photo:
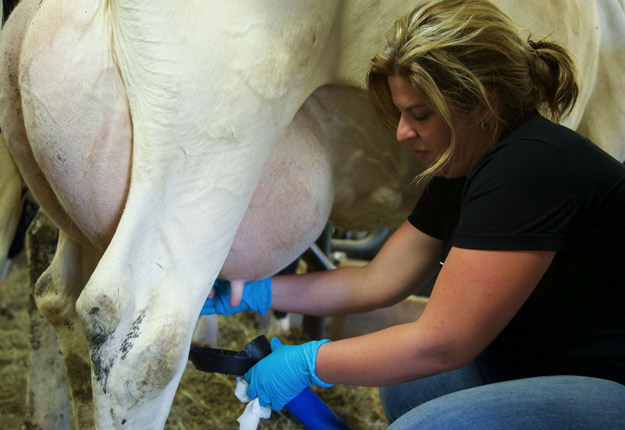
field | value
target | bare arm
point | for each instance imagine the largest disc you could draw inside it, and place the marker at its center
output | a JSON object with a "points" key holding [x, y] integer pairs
{"points": [[476, 294], [406, 261]]}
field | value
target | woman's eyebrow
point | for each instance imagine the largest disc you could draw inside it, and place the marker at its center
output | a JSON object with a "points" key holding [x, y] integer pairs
{"points": [[411, 107], [416, 105]]}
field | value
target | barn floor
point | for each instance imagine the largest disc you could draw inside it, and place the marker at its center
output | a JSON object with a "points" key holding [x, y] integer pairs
{"points": [[203, 401]]}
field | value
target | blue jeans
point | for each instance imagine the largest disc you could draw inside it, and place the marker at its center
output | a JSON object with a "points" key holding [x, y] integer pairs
{"points": [[461, 400]]}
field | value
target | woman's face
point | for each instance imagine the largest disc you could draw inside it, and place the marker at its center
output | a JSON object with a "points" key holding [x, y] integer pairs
{"points": [[428, 135]]}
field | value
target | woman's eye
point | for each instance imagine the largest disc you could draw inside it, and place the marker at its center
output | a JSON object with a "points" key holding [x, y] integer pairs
{"points": [[420, 117]]}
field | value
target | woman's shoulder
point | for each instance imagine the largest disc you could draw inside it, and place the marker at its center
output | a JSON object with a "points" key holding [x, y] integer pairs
{"points": [[539, 158], [540, 147], [540, 134], [536, 147]]}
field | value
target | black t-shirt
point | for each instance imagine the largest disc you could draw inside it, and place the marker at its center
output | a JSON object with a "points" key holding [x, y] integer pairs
{"points": [[545, 187]]}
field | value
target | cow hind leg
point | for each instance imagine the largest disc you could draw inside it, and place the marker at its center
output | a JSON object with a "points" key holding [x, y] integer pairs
{"points": [[206, 332], [11, 202], [56, 292], [47, 401]]}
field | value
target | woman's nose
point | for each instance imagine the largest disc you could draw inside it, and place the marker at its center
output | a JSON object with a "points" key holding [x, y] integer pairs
{"points": [[404, 130]]}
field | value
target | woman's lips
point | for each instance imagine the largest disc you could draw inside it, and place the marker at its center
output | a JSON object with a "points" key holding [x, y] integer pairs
{"points": [[420, 154]]}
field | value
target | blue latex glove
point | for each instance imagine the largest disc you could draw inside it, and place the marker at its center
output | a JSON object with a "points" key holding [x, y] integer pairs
{"points": [[256, 296], [284, 374]]}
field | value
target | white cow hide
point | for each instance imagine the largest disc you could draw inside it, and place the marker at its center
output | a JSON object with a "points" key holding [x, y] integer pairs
{"points": [[144, 128]]}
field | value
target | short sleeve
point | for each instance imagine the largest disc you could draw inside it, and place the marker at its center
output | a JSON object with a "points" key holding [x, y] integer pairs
{"points": [[519, 197], [437, 210]]}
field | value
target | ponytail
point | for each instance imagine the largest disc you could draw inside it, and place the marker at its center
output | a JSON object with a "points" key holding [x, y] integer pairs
{"points": [[554, 73]]}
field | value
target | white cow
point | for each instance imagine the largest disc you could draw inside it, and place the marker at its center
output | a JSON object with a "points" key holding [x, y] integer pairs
{"points": [[173, 142], [11, 201]]}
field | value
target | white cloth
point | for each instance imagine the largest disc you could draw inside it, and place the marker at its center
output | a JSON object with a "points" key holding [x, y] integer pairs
{"points": [[253, 411]]}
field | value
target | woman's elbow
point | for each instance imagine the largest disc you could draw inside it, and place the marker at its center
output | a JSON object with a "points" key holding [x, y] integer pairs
{"points": [[451, 357]]}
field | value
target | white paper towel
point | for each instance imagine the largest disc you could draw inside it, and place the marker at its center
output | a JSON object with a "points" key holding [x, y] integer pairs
{"points": [[253, 411]]}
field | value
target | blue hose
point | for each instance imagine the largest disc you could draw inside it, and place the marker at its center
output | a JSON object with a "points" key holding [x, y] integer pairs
{"points": [[313, 413]]}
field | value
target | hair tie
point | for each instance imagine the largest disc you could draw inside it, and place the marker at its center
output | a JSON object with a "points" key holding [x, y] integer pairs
{"points": [[533, 45]]}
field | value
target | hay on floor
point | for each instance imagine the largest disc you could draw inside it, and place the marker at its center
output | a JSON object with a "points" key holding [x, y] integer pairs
{"points": [[203, 401], [207, 401]]}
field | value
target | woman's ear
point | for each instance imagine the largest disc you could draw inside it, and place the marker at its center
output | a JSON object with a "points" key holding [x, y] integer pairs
{"points": [[486, 119], [487, 114]]}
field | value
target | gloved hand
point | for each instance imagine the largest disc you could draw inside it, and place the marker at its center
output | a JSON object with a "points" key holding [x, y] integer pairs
{"points": [[282, 375], [256, 296]]}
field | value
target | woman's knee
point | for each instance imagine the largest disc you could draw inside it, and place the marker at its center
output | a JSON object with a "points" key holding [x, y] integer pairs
{"points": [[571, 402], [401, 398], [397, 400]]}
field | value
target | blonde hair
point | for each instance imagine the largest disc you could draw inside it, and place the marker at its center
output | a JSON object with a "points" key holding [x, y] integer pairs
{"points": [[469, 54]]}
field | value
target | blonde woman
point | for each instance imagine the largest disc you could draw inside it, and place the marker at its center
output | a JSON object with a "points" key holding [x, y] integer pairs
{"points": [[525, 326]]}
